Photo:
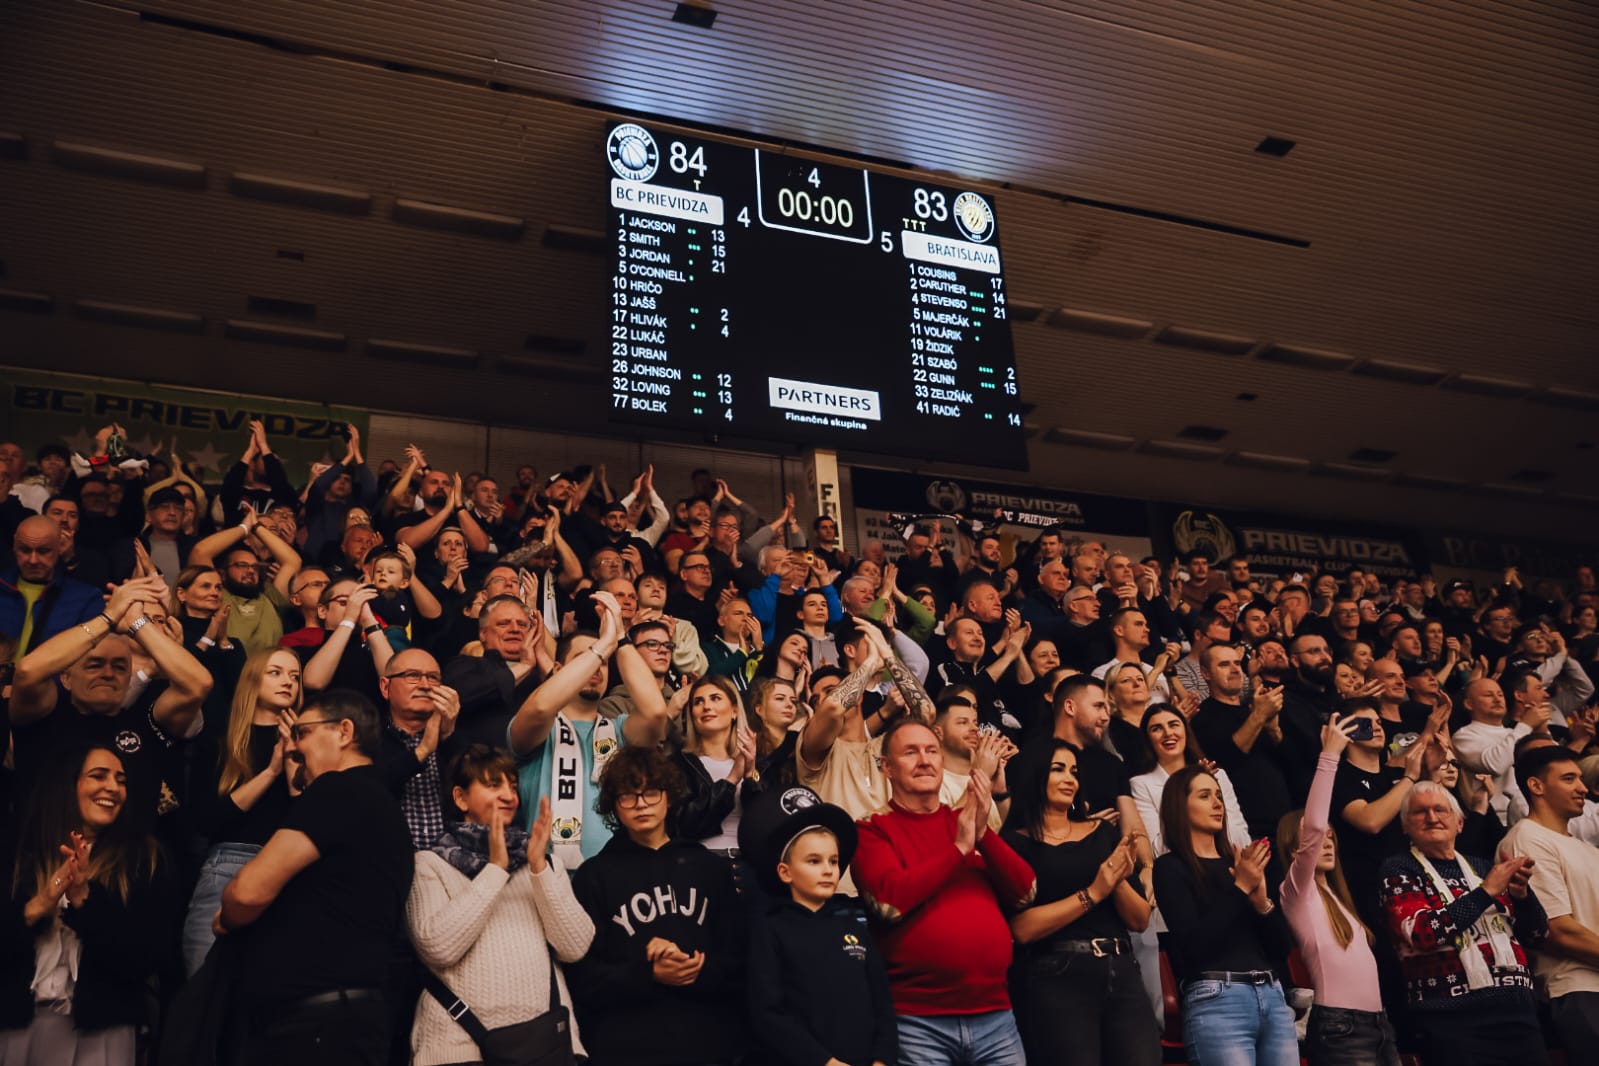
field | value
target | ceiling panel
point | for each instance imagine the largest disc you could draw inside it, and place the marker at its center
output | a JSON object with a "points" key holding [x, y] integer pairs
{"points": [[1438, 204]]}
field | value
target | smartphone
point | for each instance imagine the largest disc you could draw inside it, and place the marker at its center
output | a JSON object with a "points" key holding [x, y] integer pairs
{"points": [[1364, 729]]}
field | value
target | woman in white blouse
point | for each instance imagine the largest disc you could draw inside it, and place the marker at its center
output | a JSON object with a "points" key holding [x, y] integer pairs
{"points": [[486, 905]]}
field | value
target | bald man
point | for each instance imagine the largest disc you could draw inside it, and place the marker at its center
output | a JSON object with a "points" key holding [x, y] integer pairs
{"points": [[37, 600]]}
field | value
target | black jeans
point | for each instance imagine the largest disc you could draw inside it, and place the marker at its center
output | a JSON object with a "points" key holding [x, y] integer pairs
{"points": [[1337, 1036], [352, 1033], [1075, 1008], [1576, 1017], [1504, 1032]]}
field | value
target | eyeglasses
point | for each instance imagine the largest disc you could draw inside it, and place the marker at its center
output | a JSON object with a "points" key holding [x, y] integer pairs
{"points": [[310, 585], [648, 798], [657, 645], [727, 525], [696, 566], [300, 729], [416, 677]]}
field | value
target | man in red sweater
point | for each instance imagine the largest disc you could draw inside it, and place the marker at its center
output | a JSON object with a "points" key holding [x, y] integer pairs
{"points": [[936, 880]]}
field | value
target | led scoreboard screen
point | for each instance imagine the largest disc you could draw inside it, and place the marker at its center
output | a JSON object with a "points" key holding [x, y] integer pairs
{"points": [[762, 295]]}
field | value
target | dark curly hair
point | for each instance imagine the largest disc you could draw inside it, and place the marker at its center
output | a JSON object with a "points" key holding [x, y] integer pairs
{"points": [[635, 769]]}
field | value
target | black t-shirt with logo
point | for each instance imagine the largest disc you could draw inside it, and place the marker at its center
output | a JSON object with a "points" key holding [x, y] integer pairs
{"points": [[132, 733]]}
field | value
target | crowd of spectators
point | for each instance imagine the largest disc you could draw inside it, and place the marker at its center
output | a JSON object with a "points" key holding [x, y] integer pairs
{"points": [[396, 766]]}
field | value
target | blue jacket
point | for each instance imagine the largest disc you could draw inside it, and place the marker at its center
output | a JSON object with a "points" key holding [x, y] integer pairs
{"points": [[65, 603]]}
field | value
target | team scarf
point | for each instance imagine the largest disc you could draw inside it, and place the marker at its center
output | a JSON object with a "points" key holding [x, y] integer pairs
{"points": [[1490, 927], [569, 801], [465, 846]]}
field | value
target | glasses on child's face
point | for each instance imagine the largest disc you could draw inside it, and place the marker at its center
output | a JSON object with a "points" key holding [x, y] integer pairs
{"points": [[648, 798]]}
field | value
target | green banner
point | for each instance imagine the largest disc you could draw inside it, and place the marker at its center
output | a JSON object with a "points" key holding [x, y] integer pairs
{"points": [[212, 429]]}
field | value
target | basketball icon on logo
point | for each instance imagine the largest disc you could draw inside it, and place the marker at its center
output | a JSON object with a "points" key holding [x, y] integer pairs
{"points": [[632, 152]]}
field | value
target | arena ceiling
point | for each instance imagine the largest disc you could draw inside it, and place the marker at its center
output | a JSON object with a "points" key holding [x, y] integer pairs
{"points": [[402, 199]]}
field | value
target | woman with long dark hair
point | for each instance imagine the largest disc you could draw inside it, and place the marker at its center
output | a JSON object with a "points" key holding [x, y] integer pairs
{"points": [[1078, 989], [1347, 1025], [1224, 931], [89, 919], [244, 799]]}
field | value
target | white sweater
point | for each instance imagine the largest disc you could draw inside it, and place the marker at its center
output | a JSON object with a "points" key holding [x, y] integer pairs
{"points": [[485, 938]]}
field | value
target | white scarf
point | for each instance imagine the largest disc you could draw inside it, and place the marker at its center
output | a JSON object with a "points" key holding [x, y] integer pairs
{"points": [[568, 794], [552, 614], [1490, 926]]}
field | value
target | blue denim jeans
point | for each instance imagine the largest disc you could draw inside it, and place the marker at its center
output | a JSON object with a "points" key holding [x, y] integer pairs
{"points": [[1227, 1024], [960, 1040], [222, 863]]}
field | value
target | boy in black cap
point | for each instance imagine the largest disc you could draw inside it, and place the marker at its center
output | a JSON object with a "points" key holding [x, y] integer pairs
{"points": [[818, 986]]}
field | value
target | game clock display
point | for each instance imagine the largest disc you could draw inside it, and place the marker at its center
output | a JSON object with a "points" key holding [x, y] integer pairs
{"points": [[761, 295]]}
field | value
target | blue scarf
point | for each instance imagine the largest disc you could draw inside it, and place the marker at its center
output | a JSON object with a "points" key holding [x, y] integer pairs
{"points": [[465, 846]]}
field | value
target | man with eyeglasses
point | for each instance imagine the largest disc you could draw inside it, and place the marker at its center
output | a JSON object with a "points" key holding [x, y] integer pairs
{"points": [[728, 567], [253, 619], [653, 641], [305, 596], [321, 906], [1084, 641], [418, 736], [562, 741], [693, 601]]}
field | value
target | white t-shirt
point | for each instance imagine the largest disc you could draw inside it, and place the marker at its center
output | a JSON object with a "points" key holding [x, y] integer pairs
{"points": [[1566, 879], [728, 837]]}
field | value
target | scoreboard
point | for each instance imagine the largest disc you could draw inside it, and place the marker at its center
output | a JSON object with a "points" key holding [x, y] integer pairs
{"points": [[763, 295]]}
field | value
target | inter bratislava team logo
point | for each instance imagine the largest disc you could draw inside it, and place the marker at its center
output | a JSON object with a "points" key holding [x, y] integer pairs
{"points": [[974, 217], [632, 152]]}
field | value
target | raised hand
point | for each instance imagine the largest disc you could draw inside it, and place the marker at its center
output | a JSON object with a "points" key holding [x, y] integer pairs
{"points": [[1504, 874], [133, 591], [538, 839], [498, 854], [1335, 734], [1117, 867], [216, 630], [1249, 869]]}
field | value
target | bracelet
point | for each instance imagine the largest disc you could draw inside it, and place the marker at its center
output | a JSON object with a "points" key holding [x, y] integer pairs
{"points": [[373, 628], [1086, 900], [998, 796], [1412, 780], [91, 634], [138, 624], [1270, 906], [348, 623], [110, 623], [206, 642]]}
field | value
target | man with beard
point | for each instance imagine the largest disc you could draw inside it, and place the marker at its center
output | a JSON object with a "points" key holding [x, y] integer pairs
{"points": [[442, 505], [253, 619], [1270, 662], [636, 552], [1082, 713], [560, 738], [36, 600], [690, 531], [986, 559], [1309, 696]]}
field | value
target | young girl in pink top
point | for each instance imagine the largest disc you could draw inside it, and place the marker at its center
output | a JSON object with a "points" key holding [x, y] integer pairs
{"points": [[1347, 1023]]}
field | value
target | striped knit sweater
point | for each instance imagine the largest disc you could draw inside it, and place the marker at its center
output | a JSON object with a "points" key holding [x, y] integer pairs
{"points": [[481, 936]]}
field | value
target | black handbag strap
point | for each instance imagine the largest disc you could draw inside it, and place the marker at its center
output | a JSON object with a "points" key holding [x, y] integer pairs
{"points": [[461, 1013]]}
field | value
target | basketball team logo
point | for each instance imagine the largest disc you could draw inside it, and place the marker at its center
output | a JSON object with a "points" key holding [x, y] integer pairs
{"points": [[632, 152], [973, 217]]}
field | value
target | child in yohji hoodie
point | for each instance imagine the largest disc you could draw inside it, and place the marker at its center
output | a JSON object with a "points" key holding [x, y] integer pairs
{"points": [[818, 987], [661, 985]]}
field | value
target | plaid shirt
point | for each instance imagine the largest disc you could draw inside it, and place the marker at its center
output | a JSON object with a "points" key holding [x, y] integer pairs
{"points": [[420, 801]]}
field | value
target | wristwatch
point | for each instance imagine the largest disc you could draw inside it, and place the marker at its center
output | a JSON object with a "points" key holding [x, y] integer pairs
{"points": [[138, 624]]}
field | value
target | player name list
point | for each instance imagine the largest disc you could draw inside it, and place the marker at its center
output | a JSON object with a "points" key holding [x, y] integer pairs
{"points": [[668, 311], [950, 308]]}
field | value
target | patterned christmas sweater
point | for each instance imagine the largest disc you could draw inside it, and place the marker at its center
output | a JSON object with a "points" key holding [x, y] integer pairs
{"points": [[1426, 927]]}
